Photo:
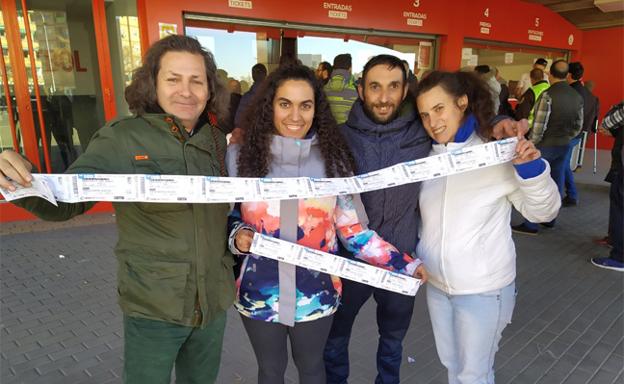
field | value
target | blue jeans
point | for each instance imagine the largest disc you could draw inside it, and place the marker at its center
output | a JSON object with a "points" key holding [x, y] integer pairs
{"points": [[467, 330], [556, 157], [570, 187], [394, 314]]}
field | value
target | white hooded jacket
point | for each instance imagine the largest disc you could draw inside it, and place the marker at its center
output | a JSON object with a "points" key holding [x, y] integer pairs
{"points": [[465, 237]]}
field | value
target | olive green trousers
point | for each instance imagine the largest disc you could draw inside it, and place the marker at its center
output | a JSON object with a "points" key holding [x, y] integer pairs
{"points": [[152, 348]]}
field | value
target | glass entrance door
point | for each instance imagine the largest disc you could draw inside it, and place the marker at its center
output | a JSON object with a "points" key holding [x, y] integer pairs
{"points": [[8, 106], [59, 103]]}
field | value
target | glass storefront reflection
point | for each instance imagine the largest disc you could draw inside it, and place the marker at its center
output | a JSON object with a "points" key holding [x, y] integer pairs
{"points": [[8, 107], [67, 76], [125, 47]]}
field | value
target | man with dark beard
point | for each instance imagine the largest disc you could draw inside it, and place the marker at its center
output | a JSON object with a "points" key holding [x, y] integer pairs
{"points": [[382, 131]]}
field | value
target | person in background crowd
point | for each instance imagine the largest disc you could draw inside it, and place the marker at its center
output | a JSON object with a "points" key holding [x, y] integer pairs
{"points": [[525, 80], [258, 74], [289, 58], [175, 276], [222, 75], [340, 89], [590, 85], [412, 83], [505, 107], [382, 131], [292, 134], [244, 86], [558, 119], [613, 124], [526, 106], [465, 239], [234, 87], [323, 72], [486, 73], [590, 115]]}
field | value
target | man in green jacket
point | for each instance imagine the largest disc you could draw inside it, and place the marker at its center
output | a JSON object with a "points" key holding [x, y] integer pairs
{"points": [[175, 278], [340, 89]]}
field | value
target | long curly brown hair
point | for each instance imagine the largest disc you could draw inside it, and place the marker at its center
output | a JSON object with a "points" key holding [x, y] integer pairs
{"points": [[458, 84], [255, 156], [141, 93]]}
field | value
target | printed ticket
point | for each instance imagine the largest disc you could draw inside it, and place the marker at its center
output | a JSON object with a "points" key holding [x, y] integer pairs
{"points": [[230, 189], [171, 188], [62, 187], [284, 188], [208, 189], [333, 187], [425, 169], [316, 260], [384, 178], [466, 159], [39, 188], [505, 150], [100, 187]]}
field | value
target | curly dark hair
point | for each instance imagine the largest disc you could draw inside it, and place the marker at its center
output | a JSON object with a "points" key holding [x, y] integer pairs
{"points": [[255, 156], [470, 84], [141, 93]]}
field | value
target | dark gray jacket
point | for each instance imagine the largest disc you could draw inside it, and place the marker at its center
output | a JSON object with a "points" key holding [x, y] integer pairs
{"points": [[393, 212], [558, 116]]}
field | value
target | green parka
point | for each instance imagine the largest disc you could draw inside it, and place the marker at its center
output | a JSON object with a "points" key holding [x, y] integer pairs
{"points": [[173, 263]]}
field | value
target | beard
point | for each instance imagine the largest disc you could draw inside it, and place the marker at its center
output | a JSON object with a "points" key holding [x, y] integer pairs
{"points": [[369, 107]]}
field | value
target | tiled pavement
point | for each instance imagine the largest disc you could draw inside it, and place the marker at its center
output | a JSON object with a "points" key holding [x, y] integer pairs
{"points": [[61, 324]]}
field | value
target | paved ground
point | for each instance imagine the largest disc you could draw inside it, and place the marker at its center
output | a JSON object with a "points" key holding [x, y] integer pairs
{"points": [[60, 322]]}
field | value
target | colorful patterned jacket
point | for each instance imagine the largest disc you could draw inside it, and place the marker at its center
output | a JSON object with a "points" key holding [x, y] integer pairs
{"points": [[321, 221]]}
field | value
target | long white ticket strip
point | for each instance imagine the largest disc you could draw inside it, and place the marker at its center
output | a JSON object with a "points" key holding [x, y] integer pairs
{"points": [[316, 260], [72, 188]]}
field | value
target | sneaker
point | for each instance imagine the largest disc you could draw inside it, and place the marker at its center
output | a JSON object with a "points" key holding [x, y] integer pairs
{"points": [[548, 225], [521, 228], [568, 202], [608, 263]]}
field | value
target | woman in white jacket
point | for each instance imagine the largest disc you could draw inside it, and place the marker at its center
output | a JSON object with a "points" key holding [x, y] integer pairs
{"points": [[465, 239]]}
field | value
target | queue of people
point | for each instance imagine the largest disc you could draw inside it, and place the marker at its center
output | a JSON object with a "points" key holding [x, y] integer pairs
{"points": [[175, 260]]}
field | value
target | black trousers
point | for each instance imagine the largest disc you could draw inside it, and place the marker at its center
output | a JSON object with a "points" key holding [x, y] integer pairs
{"points": [[616, 214], [307, 341]]}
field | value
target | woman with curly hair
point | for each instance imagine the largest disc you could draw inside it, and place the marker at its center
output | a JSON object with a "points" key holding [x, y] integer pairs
{"points": [[465, 236], [291, 133]]}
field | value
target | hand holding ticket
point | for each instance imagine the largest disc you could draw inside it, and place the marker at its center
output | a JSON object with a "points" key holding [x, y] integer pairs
{"points": [[16, 168], [38, 187]]}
